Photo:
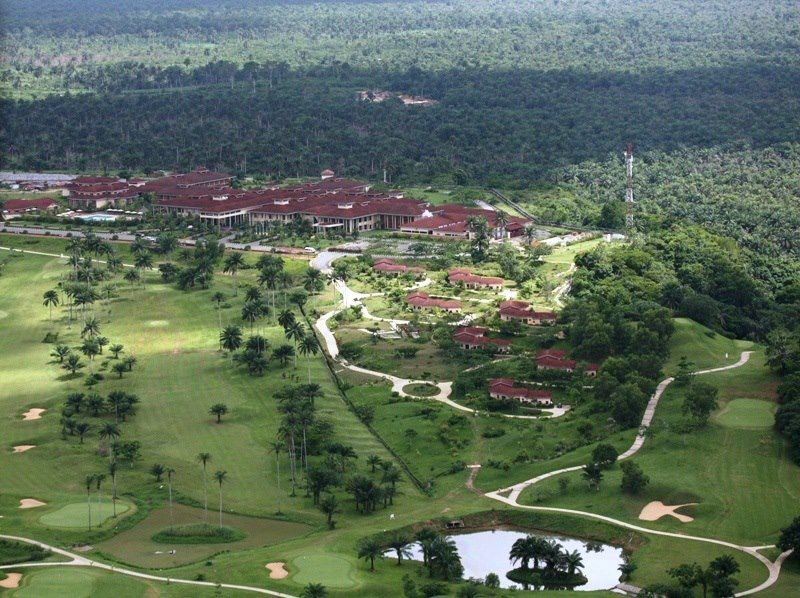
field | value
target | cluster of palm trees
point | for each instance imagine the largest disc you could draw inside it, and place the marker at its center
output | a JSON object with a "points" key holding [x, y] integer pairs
{"points": [[256, 351], [120, 404], [439, 553], [91, 346], [549, 553], [158, 471], [297, 404]]}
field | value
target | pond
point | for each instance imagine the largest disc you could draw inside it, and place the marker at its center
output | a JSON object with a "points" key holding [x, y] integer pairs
{"points": [[487, 552]]}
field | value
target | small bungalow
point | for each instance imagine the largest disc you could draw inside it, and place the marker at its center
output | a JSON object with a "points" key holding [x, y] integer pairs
{"points": [[14, 208], [474, 337], [419, 301], [521, 311], [473, 281], [506, 388], [387, 266], [556, 359]]}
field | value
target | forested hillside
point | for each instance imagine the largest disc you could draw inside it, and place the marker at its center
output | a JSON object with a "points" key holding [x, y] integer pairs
{"points": [[534, 97]]}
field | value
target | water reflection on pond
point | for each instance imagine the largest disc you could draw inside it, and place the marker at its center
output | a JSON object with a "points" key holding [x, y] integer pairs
{"points": [[487, 552]]}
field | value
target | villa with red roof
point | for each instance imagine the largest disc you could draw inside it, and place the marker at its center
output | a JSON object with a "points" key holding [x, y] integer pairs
{"points": [[523, 312], [91, 193], [419, 300], [506, 388], [473, 281], [387, 266], [451, 220], [556, 359], [474, 337], [14, 208]]}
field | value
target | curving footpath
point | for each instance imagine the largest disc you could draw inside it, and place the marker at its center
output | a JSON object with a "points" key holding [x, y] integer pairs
{"points": [[513, 492], [82, 561]]}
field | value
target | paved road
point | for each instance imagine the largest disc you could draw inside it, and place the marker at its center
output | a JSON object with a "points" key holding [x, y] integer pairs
{"points": [[81, 561]]}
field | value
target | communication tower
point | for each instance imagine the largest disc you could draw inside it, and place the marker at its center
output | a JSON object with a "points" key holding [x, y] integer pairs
{"points": [[629, 189]]}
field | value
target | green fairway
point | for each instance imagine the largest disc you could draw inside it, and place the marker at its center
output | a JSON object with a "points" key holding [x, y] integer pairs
{"points": [[329, 570], [701, 346], [747, 413], [77, 514]]}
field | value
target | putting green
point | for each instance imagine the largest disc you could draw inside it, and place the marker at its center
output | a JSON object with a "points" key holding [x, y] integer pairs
{"points": [[326, 569], [747, 413], [79, 583], [77, 514]]}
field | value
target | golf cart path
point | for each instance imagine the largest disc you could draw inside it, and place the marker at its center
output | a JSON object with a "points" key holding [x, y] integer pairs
{"points": [[59, 255], [82, 561], [514, 491]]}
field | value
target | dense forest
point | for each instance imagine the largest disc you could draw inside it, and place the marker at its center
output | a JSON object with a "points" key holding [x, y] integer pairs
{"points": [[534, 97]]}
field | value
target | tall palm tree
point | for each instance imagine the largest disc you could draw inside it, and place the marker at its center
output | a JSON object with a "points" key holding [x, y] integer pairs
{"points": [[89, 481], [91, 328], [218, 298], [277, 447], [50, 299], [251, 311], [99, 479], [82, 428], [112, 471], [109, 431], [232, 264], [294, 333], [220, 476], [170, 472], [574, 561], [501, 222], [205, 459], [308, 346]]}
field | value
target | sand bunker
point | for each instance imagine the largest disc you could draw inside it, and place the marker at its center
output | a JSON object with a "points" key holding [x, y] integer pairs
{"points": [[656, 510], [30, 503], [33, 414], [21, 448], [277, 570], [11, 581]]}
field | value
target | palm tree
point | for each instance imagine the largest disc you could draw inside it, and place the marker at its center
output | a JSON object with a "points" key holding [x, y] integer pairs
{"points": [[314, 590], [73, 363], [91, 328], [400, 544], [231, 338], [220, 476], [309, 347], [204, 459], [119, 368], [157, 470], [294, 333], [112, 471], [218, 298], [574, 561], [50, 299], [373, 461], [219, 409], [524, 550], [286, 318], [98, 479], [232, 264], [115, 350], [170, 473], [277, 447], [283, 353], [252, 311], [501, 222], [530, 234], [444, 559], [143, 261], [425, 537], [132, 276], [329, 506], [60, 352], [369, 550], [111, 432], [82, 428], [89, 481]]}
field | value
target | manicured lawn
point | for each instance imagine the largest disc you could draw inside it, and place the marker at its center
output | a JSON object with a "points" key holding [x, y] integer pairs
{"points": [[76, 515], [702, 346], [746, 413], [329, 570]]}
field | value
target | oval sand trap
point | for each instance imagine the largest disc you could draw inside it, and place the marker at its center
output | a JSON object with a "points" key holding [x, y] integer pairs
{"points": [[30, 503], [11, 581], [655, 510], [32, 414], [277, 570], [21, 448], [747, 413], [158, 323]]}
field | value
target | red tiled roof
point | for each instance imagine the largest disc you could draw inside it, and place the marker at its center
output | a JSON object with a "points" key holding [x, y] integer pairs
{"points": [[424, 300], [478, 340], [522, 309], [20, 205], [92, 180], [387, 265], [464, 275], [506, 386], [554, 353]]}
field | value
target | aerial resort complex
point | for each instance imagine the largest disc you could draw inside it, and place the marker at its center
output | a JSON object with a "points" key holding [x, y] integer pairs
{"points": [[356, 298]]}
